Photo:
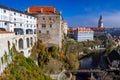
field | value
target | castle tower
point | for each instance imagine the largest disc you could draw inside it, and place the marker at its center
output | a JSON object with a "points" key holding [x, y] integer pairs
{"points": [[100, 22]]}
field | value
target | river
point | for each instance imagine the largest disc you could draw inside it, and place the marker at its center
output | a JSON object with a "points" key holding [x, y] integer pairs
{"points": [[90, 62]]}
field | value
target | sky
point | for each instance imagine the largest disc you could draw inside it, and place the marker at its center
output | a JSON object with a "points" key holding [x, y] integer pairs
{"points": [[77, 13]]}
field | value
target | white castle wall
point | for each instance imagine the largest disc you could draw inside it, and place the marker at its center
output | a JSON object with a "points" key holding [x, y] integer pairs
{"points": [[4, 38]]}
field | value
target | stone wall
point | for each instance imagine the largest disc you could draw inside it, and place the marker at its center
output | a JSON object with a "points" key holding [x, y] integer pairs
{"points": [[51, 34]]}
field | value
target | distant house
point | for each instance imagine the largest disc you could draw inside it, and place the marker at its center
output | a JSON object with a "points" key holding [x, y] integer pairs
{"points": [[81, 34]]}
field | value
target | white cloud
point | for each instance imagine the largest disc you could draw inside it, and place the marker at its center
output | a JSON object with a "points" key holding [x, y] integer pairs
{"points": [[110, 19]]}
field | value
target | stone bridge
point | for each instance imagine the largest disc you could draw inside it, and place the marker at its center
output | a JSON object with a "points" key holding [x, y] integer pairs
{"points": [[24, 43]]}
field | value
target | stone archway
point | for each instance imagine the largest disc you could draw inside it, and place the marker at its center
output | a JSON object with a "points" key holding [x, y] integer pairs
{"points": [[22, 52], [28, 42], [20, 42]]}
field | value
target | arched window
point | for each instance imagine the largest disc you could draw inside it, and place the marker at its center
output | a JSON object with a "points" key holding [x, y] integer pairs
{"points": [[27, 40], [31, 41], [22, 52], [21, 43]]}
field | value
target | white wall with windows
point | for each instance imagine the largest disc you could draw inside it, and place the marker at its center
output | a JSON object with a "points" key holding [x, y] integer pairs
{"points": [[83, 35], [11, 19], [24, 26]]}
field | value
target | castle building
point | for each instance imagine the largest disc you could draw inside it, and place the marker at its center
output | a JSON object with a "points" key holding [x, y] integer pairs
{"points": [[100, 22], [100, 30], [22, 24], [81, 34], [5, 36], [51, 25]]}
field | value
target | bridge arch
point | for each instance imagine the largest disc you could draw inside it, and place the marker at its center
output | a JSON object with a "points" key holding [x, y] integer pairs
{"points": [[22, 52], [20, 42], [31, 41], [28, 42]]}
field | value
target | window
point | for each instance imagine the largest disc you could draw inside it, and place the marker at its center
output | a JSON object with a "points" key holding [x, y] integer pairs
{"points": [[50, 25], [43, 18], [50, 18], [4, 11], [5, 23], [39, 31], [20, 24], [47, 32], [43, 25], [15, 19], [14, 24], [37, 25]]}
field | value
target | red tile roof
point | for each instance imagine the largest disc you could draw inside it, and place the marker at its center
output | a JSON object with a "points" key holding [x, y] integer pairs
{"points": [[98, 29], [84, 29], [6, 32], [71, 29], [42, 10], [79, 29]]}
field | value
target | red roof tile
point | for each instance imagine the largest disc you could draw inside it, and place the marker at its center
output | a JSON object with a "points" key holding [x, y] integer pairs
{"points": [[98, 29], [6, 32], [42, 10]]}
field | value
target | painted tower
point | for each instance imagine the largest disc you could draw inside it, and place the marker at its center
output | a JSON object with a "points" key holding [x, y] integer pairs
{"points": [[100, 22]]}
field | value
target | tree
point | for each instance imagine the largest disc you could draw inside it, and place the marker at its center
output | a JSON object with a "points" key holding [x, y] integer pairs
{"points": [[43, 58], [110, 46]]}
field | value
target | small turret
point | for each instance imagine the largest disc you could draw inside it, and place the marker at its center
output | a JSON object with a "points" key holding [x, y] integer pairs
{"points": [[100, 22]]}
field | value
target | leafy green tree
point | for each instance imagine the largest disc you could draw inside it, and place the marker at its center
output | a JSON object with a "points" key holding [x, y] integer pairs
{"points": [[110, 46], [43, 58]]}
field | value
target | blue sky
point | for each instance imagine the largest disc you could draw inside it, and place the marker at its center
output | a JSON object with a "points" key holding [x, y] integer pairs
{"points": [[78, 13]]}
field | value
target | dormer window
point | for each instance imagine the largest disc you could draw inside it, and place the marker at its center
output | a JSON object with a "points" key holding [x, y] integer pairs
{"points": [[4, 11]]}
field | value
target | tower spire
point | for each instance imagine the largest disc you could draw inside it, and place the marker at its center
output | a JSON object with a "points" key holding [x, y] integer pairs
{"points": [[100, 22]]}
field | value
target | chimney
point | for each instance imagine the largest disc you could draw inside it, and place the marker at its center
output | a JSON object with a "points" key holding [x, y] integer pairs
{"points": [[28, 10], [41, 10]]}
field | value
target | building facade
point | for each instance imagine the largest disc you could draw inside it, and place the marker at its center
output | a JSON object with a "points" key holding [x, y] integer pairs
{"points": [[83, 34], [50, 25], [100, 30], [24, 26], [5, 36]]}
